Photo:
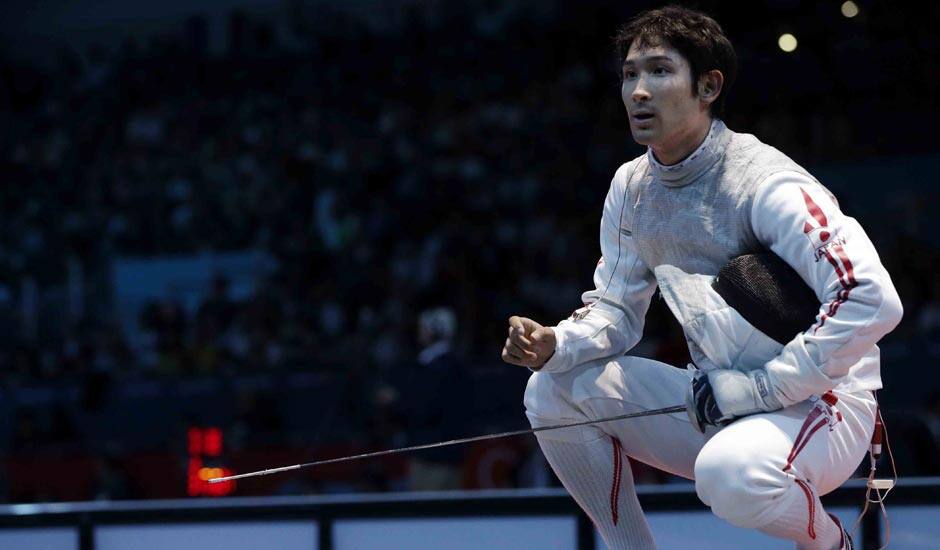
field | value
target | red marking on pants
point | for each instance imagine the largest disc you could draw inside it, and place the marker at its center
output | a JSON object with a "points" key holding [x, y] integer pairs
{"points": [[811, 505], [830, 398], [825, 405], [802, 444], [813, 415], [615, 486]]}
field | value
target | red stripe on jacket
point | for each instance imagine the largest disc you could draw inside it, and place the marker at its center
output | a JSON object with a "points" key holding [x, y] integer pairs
{"points": [[814, 209], [847, 280]]}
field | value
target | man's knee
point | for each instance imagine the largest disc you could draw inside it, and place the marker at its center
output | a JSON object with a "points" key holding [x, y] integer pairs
{"points": [[740, 484], [546, 403], [543, 398], [562, 396]]}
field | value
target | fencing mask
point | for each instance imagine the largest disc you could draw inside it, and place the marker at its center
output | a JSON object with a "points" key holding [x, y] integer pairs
{"points": [[742, 317]]}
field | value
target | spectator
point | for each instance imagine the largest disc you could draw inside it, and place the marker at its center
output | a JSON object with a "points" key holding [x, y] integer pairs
{"points": [[434, 398]]}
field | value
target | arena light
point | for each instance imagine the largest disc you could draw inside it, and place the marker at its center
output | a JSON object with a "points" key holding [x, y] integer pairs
{"points": [[849, 9], [787, 42]]}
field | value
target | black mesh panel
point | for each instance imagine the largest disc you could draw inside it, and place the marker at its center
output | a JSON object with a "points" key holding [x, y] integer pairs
{"points": [[769, 294]]}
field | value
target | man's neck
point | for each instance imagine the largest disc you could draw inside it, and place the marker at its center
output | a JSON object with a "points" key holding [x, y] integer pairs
{"points": [[685, 146]]}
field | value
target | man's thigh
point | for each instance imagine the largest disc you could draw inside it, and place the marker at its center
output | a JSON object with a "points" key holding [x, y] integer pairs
{"points": [[816, 441], [620, 386]]}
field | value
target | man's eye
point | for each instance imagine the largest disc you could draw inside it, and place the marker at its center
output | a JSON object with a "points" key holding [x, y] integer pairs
{"points": [[660, 70], [629, 74]]}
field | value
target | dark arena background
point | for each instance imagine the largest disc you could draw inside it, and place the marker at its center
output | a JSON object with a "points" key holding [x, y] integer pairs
{"points": [[232, 232]]}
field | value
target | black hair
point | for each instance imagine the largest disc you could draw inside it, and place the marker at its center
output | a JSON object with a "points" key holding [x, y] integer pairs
{"points": [[695, 35]]}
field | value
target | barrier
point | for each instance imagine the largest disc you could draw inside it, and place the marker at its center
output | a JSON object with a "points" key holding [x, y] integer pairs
{"points": [[496, 520]]}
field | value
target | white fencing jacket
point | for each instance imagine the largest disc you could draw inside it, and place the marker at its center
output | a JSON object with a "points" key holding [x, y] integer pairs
{"points": [[735, 195]]}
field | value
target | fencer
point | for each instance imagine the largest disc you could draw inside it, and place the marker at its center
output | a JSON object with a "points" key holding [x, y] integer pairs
{"points": [[784, 422]]}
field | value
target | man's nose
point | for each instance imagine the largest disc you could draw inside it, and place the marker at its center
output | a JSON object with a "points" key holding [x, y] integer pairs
{"points": [[640, 91]]}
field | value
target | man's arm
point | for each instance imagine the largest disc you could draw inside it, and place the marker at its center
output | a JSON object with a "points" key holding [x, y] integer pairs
{"points": [[611, 322], [801, 222]]}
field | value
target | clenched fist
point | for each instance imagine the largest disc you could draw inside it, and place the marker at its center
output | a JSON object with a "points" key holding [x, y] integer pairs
{"points": [[529, 344]]}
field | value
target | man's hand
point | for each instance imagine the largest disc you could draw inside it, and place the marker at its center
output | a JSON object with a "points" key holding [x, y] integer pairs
{"points": [[719, 396], [529, 344], [700, 404]]}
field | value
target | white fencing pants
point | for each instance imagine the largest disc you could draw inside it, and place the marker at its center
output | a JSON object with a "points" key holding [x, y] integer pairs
{"points": [[747, 472]]}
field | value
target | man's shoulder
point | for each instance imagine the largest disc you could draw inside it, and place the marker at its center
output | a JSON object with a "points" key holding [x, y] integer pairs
{"points": [[745, 142], [749, 144], [760, 158], [757, 165]]}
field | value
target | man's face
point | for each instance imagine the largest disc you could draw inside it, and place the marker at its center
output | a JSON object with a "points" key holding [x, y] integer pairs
{"points": [[657, 92]]}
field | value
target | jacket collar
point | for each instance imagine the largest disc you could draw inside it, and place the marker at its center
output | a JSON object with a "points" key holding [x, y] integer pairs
{"points": [[694, 165]]}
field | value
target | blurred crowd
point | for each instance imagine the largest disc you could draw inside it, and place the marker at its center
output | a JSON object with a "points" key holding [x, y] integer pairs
{"points": [[454, 165]]}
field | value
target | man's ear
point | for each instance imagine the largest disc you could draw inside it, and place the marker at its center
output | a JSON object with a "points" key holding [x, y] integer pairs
{"points": [[709, 86]]}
